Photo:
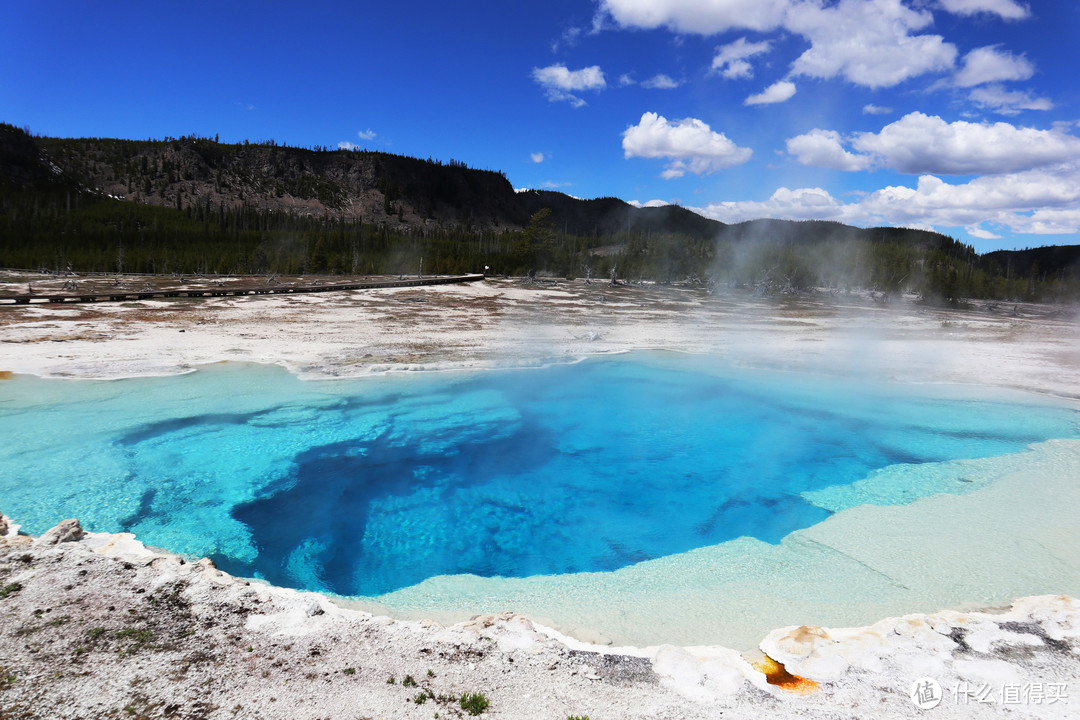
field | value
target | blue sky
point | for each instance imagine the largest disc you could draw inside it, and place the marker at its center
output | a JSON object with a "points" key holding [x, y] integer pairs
{"points": [[957, 115]]}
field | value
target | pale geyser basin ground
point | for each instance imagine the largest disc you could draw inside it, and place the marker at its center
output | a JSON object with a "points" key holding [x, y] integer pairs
{"points": [[504, 322]]}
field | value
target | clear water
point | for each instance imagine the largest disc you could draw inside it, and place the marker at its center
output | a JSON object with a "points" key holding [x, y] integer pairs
{"points": [[362, 487]]}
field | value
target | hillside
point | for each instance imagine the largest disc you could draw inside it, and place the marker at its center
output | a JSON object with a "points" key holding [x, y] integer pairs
{"points": [[343, 184], [1040, 261], [350, 186], [197, 205]]}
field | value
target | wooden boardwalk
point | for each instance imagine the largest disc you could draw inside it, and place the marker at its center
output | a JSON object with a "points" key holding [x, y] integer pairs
{"points": [[96, 296]]}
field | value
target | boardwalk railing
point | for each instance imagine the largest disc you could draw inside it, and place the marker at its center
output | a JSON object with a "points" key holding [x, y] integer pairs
{"points": [[94, 296]]}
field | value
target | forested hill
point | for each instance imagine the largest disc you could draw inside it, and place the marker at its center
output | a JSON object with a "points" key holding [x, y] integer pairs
{"points": [[342, 185], [1039, 261], [345, 185], [194, 204]]}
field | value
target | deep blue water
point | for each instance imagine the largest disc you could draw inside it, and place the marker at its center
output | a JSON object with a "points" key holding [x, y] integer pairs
{"points": [[361, 487]]}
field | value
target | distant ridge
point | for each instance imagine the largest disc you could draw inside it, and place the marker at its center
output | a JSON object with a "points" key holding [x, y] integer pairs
{"points": [[1040, 261], [194, 204], [353, 185]]}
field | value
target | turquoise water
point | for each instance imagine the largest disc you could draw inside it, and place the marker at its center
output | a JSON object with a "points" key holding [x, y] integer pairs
{"points": [[362, 487]]}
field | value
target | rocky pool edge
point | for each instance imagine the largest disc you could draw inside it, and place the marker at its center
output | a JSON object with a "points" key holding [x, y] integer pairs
{"points": [[95, 622]]}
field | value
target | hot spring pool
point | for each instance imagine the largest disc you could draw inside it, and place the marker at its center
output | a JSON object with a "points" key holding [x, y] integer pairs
{"points": [[407, 490]]}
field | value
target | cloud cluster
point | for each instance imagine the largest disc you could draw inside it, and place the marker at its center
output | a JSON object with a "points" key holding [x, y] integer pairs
{"points": [[983, 71], [1008, 9], [998, 201], [732, 60], [698, 17], [778, 92], [661, 82], [690, 144], [919, 143], [873, 43], [1008, 102], [825, 148], [867, 42], [990, 64], [560, 83], [1007, 176], [785, 204], [650, 203], [1005, 200], [1028, 180], [368, 134]]}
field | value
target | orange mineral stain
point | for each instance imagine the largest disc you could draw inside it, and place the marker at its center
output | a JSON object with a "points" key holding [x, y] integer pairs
{"points": [[6, 374], [776, 674]]}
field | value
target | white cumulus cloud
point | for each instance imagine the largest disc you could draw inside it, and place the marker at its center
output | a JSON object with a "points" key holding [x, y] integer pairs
{"points": [[698, 17], [537, 157], [988, 64], [1008, 9], [731, 60], [981, 233], [362, 134], [784, 204], [867, 42], [919, 143], [824, 148], [1008, 102], [1037, 202], [690, 143], [660, 82], [559, 82], [872, 109], [562, 78], [778, 92]]}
